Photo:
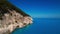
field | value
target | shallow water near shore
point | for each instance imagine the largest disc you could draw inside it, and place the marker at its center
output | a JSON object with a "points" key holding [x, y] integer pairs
{"points": [[41, 26]]}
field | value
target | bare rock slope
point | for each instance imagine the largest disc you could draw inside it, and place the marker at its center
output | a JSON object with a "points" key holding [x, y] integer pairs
{"points": [[12, 18]]}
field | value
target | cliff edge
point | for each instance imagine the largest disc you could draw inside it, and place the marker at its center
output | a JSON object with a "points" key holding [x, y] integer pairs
{"points": [[11, 18]]}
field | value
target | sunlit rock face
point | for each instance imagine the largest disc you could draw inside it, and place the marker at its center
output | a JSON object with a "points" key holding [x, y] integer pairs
{"points": [[10, 19]]}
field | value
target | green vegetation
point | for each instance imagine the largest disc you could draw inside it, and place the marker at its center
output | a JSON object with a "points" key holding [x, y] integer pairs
{"points": [[4, 5]]}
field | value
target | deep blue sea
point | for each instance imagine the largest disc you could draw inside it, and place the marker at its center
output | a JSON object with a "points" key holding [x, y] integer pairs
{"points": [[41, 26]]}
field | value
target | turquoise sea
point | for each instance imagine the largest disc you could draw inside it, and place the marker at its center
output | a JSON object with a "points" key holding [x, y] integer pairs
{"points": [[41, 26]]}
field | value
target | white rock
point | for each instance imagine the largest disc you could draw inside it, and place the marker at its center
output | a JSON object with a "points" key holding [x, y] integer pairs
{"points": [[10, 22]]}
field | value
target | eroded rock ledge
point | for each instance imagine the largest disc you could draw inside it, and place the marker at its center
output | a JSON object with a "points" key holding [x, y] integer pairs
{"points": [[11, 18]]}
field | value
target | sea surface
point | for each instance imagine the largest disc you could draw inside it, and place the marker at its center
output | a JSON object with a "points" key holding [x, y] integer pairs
{"points": [[41, 26]]}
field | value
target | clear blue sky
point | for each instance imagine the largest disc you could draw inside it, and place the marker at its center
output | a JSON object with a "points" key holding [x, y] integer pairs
{"points": [[39, 8]]}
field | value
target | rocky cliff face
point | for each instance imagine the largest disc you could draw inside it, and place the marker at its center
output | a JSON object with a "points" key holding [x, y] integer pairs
{"points": [[12, 18]]}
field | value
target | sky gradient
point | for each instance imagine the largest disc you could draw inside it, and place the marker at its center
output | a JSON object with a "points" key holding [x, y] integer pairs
{"points": [[39, 8]]}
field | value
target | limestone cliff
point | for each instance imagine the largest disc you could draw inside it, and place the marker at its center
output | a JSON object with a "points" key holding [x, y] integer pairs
{"points": [[11, 18]]}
